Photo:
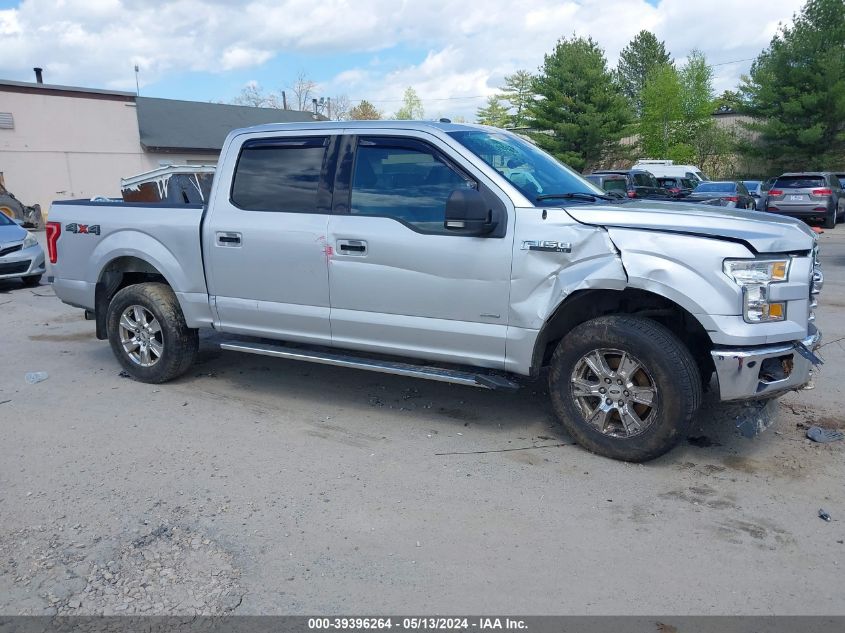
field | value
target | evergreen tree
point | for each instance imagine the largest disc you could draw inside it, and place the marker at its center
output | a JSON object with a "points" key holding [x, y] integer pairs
{"points": [[519, 93], [796, 91], [643, 54], [494, 113], [580, 114]]}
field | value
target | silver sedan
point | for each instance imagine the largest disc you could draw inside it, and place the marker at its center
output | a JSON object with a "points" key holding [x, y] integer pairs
{"points": [[20, 253]]}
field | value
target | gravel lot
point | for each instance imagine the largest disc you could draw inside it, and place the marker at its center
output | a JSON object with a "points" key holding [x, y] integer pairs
{"points": [[256, 485]]}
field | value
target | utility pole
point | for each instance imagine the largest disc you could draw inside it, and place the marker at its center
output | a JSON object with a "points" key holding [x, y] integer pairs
{"points": [[284, 100], [137, 83]]}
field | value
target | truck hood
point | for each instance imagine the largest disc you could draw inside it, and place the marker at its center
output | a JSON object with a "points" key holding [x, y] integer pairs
{"points": [[763, 232]]}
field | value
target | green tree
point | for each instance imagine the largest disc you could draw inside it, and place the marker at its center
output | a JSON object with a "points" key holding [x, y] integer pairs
{"points": [[637, 60], [494, 113], [518, 92], [662, 111], [796, 91], [580, 114], [697, 99], [677, 105], [412, 107], [364, 111], [730, 101]]}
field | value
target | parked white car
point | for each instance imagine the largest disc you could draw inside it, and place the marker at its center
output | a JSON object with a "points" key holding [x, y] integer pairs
{"points": [[668, 169]]}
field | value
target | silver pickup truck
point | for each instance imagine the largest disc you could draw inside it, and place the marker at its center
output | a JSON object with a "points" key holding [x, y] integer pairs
{"points": [[457, 253]]}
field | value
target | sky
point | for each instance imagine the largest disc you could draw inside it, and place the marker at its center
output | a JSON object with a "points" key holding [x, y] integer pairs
{"points": [[454, 53]]}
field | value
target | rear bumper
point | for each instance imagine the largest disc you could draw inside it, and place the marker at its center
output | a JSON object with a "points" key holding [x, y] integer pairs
{"points": [[747, 373], [800, 210]]}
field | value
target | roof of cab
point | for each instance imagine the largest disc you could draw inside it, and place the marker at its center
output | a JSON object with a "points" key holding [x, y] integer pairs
{"points": [[366, 125]]}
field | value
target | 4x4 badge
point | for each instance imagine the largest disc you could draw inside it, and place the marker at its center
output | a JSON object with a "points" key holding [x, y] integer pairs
{"points": [[547, 246], [88, 229]]}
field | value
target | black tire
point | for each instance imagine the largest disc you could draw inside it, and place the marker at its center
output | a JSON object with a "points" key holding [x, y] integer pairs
{"points": [[665, 361], [830, 219], [178, 342], [31, 281]]}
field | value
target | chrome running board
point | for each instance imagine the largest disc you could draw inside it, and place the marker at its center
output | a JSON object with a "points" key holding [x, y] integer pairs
{"points": [[457, 377]]}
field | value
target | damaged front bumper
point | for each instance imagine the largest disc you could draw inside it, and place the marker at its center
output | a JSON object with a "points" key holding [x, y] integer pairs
{"points": [[748, 373]]}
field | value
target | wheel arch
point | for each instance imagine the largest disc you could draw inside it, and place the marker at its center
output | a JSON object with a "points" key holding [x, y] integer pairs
{"points": [[118, 273], [584, 305]]}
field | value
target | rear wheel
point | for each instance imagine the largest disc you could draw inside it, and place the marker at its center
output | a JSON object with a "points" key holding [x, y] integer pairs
{"points": [[830, 219], [624, 387], [148, 334]]}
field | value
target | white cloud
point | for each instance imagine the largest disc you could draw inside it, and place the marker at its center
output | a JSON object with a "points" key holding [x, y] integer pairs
{"points": [[470, 46]]}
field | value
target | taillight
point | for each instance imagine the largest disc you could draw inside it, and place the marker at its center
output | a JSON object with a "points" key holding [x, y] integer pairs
{"points": [[822, 192], [54, 229], [732, 198], [775, 192], [632, 194]]}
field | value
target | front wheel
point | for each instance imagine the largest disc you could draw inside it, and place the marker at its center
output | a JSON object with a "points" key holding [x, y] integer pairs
{"points": [[624, 387], [31, 281], [148, 334]]}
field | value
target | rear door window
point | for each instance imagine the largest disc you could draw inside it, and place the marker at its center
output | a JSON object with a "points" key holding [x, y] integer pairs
{"points": [[280, 174]]}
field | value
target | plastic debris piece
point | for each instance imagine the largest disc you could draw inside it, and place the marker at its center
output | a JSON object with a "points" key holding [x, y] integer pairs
{"points": [[824, 516], [35, 377], [818, 434]]}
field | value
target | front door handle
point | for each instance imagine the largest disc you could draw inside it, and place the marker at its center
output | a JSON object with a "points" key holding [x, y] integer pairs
{"points": [[227, 238], [352, 247]]}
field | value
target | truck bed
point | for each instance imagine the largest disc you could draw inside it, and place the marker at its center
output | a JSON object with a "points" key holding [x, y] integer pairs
{"points": [[94, 234]]}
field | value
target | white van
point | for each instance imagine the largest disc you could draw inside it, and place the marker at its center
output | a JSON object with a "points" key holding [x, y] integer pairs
{"points": [[668, 169]]}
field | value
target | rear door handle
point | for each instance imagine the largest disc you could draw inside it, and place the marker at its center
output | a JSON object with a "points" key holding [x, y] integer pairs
{"points": [[352, 247], [226, 238]]}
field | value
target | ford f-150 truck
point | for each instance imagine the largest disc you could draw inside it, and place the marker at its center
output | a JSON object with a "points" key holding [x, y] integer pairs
{"points": [[458, 253]]}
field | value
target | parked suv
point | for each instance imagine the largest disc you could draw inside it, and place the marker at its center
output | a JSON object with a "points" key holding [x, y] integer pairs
{"points": [[808, 195], [640, 183]]}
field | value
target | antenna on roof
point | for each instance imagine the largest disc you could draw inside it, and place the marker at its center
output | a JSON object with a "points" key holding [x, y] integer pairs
{"points": [[137, 83]]}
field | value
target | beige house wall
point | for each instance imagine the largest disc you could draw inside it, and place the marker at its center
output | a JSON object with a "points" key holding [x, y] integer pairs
{"points": [[66, 147]]}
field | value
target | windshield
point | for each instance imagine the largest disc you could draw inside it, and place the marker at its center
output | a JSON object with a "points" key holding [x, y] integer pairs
{"points": [[715, 186], [4, 220], [751, 184], [528, 168]]}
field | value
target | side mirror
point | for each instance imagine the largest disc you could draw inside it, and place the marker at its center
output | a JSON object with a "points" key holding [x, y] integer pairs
{"points": [[468, 214]]}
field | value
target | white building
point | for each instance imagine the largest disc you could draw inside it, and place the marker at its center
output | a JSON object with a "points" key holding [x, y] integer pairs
{"points": [[62, 142]]}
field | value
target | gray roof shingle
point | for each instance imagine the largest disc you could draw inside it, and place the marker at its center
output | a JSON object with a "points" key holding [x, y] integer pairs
{"points": [[168, 124]]}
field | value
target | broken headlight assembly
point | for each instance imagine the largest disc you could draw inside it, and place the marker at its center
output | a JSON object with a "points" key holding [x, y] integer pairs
{"points": [[755, 277]]}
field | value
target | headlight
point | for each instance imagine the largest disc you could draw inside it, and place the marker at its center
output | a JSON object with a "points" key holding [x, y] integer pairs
{"points": [[755, 276], [29, 240]]}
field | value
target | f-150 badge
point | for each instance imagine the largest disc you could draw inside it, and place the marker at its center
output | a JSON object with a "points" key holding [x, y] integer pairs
{"points": [[547, 246]]}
